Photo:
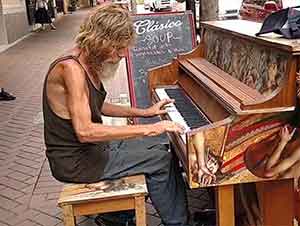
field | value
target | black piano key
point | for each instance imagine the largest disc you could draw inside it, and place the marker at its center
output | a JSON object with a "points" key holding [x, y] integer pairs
{"points": [[191, 114]]}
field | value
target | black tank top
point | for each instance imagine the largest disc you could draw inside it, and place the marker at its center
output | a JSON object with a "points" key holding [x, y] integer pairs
{"points": [[70, 160]]}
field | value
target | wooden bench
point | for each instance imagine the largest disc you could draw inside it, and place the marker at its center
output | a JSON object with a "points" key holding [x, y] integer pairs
{"points": [[106, 196]]}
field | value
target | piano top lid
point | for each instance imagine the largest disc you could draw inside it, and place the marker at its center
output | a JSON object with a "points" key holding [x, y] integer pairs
{"points": [[248, 29]]}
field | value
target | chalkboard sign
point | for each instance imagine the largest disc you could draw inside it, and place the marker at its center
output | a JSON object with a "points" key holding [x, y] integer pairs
{"points": [[160, 37]]}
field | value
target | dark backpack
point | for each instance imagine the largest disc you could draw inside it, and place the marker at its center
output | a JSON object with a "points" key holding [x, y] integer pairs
{"points": [[285, 22]]}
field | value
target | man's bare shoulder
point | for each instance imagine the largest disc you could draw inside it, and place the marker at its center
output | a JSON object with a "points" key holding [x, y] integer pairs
{"points": [[66, 80], [67, 70], [70, 68]]}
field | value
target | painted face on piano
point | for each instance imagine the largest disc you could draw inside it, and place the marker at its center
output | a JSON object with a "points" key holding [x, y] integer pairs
{"points": [[212, 164]]}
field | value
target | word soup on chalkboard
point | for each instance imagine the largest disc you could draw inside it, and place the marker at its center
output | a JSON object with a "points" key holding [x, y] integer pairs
{"points": [[160, 37]]}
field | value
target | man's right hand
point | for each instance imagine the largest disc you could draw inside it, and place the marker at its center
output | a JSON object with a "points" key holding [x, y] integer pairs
{"points": [[166, 126]]}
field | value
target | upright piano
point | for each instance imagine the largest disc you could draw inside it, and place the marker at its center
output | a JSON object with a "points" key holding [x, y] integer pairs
{"points": [[234, 93]]}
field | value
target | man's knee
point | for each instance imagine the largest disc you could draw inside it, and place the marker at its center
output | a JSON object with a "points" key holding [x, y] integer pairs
{"points": [[161, 152], [163, 160]]}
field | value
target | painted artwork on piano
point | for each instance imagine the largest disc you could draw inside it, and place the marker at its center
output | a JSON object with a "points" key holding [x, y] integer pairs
{"points": [[256, 66], [245, 89], [244, 156]]}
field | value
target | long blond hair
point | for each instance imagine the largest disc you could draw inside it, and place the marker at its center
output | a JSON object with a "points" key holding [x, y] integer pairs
{"points": [[109, 28]]}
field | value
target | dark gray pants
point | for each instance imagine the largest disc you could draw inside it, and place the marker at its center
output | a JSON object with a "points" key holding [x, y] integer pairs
{"points": [[165, 184]]}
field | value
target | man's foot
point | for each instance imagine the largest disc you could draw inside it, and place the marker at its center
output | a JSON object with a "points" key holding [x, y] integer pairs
{"points": [[5, 96], [206, 217], [122, 218]]}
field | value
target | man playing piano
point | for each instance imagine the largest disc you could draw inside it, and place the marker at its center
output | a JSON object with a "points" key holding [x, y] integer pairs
{"points": [[76, 140]]}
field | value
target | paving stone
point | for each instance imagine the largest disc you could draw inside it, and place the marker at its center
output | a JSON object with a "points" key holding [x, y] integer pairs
{"points": [[29, 189], [33, 150], [8, 203], [46, 173], [52, 211], [60, 224], [29, 163], [19, 176], [29, 223], [36, 200], [152, 220], [4, 171], [4, 138], [52, 189], [54, 196], [24, 200], [150, 209], [46, 179], [33, 145], [45, 220], [10, 134], [86, 222], [6, 214], [25, 169], [11, 193]]}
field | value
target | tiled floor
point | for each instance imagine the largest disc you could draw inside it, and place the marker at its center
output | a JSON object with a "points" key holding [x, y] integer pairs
{"points": [[28, 192]]}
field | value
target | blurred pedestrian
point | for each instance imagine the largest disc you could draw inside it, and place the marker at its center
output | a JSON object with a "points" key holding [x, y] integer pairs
{"points": [[41, 15]]}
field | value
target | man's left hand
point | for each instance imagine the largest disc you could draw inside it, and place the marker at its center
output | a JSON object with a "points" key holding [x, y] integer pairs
{"points": [[159, 108]]}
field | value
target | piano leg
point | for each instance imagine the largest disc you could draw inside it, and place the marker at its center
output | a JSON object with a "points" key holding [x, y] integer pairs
{"points": [[225, 205], [276, 201]]}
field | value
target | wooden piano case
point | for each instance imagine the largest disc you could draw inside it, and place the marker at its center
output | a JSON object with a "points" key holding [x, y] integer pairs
{"points": [[246, 86]]}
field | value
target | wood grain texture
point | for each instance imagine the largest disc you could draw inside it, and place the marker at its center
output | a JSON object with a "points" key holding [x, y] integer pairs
{"points": [[112, 189], [140, 211], [103, 206], [106, 196], [276, 201], [225, 204], [247, 29], [68, 214]]}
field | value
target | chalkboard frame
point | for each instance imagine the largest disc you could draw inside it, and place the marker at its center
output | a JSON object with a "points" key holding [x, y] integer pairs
{"points": [[129, 65]]}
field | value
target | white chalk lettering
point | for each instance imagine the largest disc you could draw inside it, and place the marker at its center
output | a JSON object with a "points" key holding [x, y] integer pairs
{"points": [[143, 26]]}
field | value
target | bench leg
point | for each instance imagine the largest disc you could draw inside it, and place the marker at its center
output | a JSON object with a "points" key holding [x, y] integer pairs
{"points": [[140, 211], [69, 219]]}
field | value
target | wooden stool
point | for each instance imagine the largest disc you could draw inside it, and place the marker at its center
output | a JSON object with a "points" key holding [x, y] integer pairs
{"points": [[103, 197]]}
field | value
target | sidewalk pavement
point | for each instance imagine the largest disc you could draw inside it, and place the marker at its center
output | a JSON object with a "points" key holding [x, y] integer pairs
{"points": [[28, 192]]}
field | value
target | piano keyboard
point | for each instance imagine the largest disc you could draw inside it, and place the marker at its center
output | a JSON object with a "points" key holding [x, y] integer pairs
{"points": [[183, 111]]}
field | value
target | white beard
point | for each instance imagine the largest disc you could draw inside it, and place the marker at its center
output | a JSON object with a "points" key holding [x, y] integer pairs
{"points": [[108, 70]]}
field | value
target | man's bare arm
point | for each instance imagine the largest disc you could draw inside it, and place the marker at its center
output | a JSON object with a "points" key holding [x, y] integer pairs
{"points": [[115, 110], [80, 113], [284, 164], [124, 111], [285, 137]]}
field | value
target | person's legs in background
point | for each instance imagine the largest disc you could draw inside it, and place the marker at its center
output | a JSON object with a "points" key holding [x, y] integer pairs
{"points": [[52, 26]]}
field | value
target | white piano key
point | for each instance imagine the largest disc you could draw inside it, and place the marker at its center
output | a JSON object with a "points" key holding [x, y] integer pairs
{"points": [[173, 113]]}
